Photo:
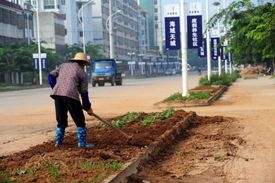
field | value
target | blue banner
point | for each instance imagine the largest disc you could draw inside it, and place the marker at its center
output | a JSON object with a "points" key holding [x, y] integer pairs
{"points": [[202, 52], [229, 57], [194, 31], [224, 56], [215, 51], [43, 63], [35, 63], [172, 33]]}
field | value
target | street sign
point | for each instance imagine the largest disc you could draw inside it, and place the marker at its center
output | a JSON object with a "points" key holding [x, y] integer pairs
{"points": [[215, 51], [194, 25], [202, 52], [172, 27], [35, 56]]}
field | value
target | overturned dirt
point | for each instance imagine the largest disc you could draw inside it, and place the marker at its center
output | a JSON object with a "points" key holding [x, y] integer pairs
{"points": [[45, 163], [199, 155], [205, 142]]}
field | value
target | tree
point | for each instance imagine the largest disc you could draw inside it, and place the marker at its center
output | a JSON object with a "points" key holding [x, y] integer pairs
{"points": [[18, 58], [94, 51], [251, 32]]}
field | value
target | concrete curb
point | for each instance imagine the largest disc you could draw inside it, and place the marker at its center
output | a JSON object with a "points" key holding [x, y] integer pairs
{"points": [[153, 149]]}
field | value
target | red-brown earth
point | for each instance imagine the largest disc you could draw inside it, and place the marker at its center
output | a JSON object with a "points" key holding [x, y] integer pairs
{"points": [[45, 163]]}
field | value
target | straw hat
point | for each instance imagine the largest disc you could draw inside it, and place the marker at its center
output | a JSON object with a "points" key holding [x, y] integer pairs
{"points": [[81, 57]]}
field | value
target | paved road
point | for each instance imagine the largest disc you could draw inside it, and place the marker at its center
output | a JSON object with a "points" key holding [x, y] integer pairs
{"points": [[27, 116]]}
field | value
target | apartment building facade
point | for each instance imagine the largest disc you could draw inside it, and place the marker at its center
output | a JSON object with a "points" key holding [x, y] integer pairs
{"points": [[124, 27], [155, 24], [13, 23], [143, 33]]}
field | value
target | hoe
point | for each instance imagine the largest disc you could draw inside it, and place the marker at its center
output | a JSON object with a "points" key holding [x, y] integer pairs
{"points": [[112, 126]]}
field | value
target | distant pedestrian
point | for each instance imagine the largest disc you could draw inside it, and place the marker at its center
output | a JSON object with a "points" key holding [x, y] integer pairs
{"points": [[69, 81], [199, 71]]}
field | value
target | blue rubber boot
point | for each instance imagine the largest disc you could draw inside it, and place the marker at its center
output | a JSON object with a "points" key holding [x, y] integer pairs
{"points": [[59, 136], [81, 137]]}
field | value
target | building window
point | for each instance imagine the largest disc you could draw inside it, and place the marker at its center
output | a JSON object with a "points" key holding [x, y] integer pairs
{"points": [[48, 4]]}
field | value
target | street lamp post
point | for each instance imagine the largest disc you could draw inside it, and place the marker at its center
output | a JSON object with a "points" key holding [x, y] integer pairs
{"points": [[217, 4], [38, 42], [225, 42], [109, 21], [183, 49], [132, 62], [208, 43], [82, 22]]}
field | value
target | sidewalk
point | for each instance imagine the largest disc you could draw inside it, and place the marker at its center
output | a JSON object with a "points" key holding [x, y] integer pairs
{"points": [[251, 102]]}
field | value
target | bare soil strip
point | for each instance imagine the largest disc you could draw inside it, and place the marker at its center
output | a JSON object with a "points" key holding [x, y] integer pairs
{"points": [[199, 155]]}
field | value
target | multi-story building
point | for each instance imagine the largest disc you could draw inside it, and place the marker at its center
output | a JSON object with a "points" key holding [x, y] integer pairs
{"points": [[52, 30], [143, 35], [75, 19], [68, 15], [124, 27], [13, 23], [153, 8]]}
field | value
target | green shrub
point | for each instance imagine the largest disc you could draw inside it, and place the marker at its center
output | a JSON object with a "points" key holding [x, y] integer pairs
{"points": [[198, 95], [175, 96], [192, 95], [222, 80]]}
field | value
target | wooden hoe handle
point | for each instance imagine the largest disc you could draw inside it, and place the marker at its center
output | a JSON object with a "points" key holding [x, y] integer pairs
{"points": [[111, 125]]}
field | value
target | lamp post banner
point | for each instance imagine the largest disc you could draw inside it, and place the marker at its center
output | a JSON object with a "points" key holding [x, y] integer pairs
{"points": [[230, 57], [172, 33], [36, 64], [202, 52], [224, 56], [194, 31], [215, 51], [43, 63]]}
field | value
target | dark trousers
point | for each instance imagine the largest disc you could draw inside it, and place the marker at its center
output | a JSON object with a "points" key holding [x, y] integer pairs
{"points": [[62, 106]]}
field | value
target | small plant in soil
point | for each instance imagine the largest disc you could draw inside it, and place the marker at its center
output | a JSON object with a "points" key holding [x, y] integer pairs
{"points": [[99, 178], [160, 115], [129, 117], [52, 168], [6, 180], [87, 165]]}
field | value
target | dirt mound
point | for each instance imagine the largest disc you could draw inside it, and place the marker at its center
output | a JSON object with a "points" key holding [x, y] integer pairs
{"points": [[252, 70], [45, 163]]}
